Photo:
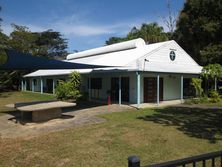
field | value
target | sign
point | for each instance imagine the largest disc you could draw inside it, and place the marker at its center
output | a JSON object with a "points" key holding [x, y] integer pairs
{"points": [[172, 55]]}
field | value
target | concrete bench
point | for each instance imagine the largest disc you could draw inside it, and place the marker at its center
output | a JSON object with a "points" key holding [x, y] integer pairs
{"points": [[42, 110]]}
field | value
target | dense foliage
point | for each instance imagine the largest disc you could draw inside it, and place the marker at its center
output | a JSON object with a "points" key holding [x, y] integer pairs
{"points": [[212, 71], [199, 30], [151, 33], [69, 90], [196, 83], [48, 44]]}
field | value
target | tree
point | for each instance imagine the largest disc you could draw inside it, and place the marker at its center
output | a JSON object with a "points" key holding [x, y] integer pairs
{"points": [[51, 44], [211, 73], [23, 40], [196, 83], [113, 40], [170, 20], [200, 26], [47, 43], [212, 54], [151, 33]]}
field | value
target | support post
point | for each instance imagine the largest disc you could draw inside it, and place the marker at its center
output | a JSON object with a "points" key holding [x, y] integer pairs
{"points": [[33, 85], [41, 85], [53, 86], [89, 88], [120, 96], [181, 88], [22, 85], [25, 85], [215, 84], [138, 89], [158, 90], [133, 161]]}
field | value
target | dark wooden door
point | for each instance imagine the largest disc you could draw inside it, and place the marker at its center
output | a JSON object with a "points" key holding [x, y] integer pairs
{"points": [[150, 89], [49, 85], [114, 89]]}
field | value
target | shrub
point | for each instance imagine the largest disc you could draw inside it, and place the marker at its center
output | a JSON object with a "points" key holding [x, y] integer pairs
{"points": [[214, 96], [203, 99], [196, 83], [69, 89]]}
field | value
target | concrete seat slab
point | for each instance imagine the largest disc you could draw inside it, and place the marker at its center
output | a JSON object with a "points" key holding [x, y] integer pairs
{"points": [[46, 106]]}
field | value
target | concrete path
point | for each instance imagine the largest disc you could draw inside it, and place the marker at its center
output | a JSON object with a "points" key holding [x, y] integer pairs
{"points": [[11, 128], [161, 104]]}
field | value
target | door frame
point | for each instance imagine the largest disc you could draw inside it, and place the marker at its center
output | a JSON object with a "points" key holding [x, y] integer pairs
{"points": [[115, 89]]}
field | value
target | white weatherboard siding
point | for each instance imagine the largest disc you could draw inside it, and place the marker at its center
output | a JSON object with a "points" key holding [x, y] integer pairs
{"points": [[159, 61]]}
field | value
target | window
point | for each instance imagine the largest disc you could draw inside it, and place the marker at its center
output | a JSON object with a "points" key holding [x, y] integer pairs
{"points": [[96, 83]]}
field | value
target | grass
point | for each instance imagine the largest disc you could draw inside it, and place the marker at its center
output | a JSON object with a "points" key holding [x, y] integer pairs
{"points": [[155, 135], [13, 97]]}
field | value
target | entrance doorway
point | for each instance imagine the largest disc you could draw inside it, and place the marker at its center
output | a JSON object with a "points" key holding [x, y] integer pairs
{"points": [[49, 86], [150, 89], [124, 89]]}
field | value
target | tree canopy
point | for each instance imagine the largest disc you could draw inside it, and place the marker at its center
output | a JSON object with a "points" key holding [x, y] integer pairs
{"points": [[199, 30], [151, 33], [47, 43]]}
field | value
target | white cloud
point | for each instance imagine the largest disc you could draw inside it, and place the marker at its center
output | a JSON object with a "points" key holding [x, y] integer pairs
{"points": [[79, 24], [7, 28], [76, 26]]}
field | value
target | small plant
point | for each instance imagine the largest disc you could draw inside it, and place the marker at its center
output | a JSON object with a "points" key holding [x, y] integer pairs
{"points": [[214, 96]]}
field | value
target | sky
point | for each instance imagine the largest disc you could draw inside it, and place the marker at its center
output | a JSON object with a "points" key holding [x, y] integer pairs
{"points": [[85, 24]]}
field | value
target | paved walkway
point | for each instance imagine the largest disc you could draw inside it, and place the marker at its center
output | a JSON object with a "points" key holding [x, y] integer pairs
{"points": [[72, 117]]}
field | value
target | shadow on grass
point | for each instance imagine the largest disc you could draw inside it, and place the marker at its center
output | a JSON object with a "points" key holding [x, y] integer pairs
{"points": [[199, 123], [81, 105]]}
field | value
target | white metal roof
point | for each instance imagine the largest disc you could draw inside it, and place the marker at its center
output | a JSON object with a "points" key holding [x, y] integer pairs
{"points": [[138, 57]]}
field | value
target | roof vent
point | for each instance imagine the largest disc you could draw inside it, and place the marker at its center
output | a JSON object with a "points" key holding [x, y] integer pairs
{"points": [[136, 43]]}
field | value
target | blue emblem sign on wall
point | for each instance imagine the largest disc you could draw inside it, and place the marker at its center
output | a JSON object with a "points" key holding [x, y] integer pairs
{"points": [[172, 55]]}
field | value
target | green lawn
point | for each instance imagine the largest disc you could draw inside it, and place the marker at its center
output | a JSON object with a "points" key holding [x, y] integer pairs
{"points": [[13, 97], [155, 135]]}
